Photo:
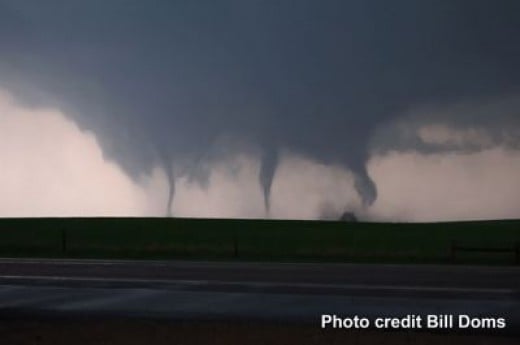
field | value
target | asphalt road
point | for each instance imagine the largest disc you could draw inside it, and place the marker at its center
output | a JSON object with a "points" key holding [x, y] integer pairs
{"points": [[474, 277], [271, 291]]}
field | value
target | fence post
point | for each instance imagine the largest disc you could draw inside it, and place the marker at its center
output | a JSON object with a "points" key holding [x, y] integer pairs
{"points": [[517, 253], [63, 241], [235, 243], [453, 249]]}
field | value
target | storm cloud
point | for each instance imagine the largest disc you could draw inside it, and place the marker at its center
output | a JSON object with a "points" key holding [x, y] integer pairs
{"points": [[181, 87]]}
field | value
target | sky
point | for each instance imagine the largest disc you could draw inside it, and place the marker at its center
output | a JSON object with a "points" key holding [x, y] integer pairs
{"points": [[396, 111]]}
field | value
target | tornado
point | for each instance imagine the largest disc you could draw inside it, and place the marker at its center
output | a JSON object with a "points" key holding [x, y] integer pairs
{"points": [[171, 190], [170, 176], [363, 183], [365, 187], [268, 165]]}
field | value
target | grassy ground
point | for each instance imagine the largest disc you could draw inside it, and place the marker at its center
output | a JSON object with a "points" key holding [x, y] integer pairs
{"points": [[159, 238]]}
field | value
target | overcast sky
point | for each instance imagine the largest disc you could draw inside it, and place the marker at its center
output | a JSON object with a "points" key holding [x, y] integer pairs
{"points": [[290, 109]]}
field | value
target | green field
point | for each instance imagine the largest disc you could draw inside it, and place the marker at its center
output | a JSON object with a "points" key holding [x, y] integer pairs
{"points": [[266, 240]]}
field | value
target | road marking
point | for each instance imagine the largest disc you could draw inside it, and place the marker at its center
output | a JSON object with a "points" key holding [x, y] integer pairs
{"points": [[247, 284], [235, 264]]}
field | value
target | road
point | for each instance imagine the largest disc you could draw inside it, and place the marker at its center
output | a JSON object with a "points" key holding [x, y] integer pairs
{"points": [[271, 291]]}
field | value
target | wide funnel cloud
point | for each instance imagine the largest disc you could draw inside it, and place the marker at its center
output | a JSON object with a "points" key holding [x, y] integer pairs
{"points": [[180, 87]]}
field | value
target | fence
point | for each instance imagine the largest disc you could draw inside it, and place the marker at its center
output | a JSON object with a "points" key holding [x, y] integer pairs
{"points": [[160, 238]]}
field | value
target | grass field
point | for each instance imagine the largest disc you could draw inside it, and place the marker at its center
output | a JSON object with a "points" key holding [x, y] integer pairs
{"points": [[266, 240]]}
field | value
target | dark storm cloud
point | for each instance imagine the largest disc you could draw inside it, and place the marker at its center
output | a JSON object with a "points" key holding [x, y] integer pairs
{"points": [[161, 82]]}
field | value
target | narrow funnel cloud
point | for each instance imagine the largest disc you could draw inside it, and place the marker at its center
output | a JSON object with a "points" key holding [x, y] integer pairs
{"points": [[268, 165], [365, 187], [168, 168]]}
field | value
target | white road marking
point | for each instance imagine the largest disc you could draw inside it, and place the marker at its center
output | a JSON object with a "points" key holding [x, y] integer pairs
{"points": [[236, 264], [247, 284]]}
